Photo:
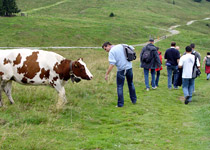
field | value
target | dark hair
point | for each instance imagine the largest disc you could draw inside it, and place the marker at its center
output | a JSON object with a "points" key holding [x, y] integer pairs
{"points": [[157, 48], [173, 43], [192, 45], [208, 53], [188, 49], [106, 44], [151, 40]]}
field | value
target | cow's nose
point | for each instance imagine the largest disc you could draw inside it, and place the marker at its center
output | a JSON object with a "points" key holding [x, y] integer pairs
{"points": [[91, 77]]}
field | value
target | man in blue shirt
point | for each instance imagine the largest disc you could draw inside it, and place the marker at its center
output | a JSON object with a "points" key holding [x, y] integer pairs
{"points": [[172, 57], [124, 69]]}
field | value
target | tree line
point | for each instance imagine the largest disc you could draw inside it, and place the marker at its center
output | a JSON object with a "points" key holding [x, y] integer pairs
{"points": [[8, 8]]}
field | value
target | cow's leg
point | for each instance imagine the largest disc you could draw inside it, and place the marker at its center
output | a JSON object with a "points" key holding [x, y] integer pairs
{"points": [[7, 87], [61, 97]]}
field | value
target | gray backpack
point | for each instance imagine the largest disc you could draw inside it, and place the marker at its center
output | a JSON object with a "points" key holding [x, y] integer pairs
{"points": [[130, 54]]}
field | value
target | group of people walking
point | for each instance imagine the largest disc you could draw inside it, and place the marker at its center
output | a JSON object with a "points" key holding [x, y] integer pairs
{"points": [[179, 68]]}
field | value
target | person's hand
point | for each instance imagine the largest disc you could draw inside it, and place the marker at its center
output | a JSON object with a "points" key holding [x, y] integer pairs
{"points": [[106, 77]]}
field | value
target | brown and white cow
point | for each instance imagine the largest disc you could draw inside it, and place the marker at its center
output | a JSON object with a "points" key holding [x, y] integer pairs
{"points": [[38, 67]]}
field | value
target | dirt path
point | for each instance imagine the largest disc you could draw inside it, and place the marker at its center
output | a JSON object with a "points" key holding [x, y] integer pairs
{"points": [[46, 7]]}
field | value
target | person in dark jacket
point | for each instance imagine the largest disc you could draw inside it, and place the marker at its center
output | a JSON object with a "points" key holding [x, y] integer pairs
{"points": [[172, 57], [152, 62]]}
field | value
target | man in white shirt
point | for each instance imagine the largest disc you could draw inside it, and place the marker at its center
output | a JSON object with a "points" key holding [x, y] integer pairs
{"points": [[124, 69], [187, 62]]}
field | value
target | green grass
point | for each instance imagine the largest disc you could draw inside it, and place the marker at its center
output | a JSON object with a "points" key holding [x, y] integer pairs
{"points": [[90, 120], [87, 23]]}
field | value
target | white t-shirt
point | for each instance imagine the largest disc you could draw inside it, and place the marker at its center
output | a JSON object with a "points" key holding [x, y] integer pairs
{"points": [[187, 62]]}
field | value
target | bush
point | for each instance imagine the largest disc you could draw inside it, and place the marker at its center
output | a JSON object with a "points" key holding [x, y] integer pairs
{"points": [[8, 7], [111, 15]]}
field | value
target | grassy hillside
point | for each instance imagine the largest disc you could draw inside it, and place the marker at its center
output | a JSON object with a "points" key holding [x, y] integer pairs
{"points": [[87, 22], [90, 120]]}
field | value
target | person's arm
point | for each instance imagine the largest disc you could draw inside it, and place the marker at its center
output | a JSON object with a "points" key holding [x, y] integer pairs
{"points": [[180, 64], [178, 61], [204, 62], [198, 63], [108, 71]]}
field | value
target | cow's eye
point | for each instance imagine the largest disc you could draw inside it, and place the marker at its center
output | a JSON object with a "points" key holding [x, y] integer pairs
{"points": [[82, 68]]}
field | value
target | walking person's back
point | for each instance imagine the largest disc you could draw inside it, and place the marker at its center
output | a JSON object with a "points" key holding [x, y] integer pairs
{"points": [[149, 59], [172, 57], [206, 62]]}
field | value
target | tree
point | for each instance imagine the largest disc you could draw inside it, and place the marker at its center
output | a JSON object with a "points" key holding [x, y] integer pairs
{"points": [[173, 2], [198, 1], [1, 8], [8, 7]]}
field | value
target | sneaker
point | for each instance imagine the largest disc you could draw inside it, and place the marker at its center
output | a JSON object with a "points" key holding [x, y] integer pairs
{"points": [[147, 89], [187, 100], [118, 106], [154, 87], [134, 103]]}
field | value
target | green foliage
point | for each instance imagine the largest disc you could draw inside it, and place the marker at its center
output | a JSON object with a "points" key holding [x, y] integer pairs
{"points": [[198, 1], [8, 7], [111, 14]]}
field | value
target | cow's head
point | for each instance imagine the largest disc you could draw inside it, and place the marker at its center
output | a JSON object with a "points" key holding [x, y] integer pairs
{"points": [[80, 70]]}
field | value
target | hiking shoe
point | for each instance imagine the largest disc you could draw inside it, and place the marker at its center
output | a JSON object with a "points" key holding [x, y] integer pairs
{"points": [[154, 87], [186, 100], [118, 106]]}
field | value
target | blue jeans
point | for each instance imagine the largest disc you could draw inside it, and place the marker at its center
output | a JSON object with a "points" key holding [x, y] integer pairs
{"points": [[146, 77], [172, 69], [187, 87], [157, 77], [120, 83]]}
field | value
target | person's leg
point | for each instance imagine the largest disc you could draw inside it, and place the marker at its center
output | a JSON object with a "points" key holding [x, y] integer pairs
{"points": [[169, 71], [146, 77], [175, 71], [208, 76], [120, 83], [185, 87], [191, 88], [157, 78], [132, 92], [153, 77]]}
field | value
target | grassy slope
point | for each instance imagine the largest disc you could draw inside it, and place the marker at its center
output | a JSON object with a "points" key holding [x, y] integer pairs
{"points": [[78, 23], [159, 120]]}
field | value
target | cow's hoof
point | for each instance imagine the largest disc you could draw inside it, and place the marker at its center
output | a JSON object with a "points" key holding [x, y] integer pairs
{"points": [[12, 102]]}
